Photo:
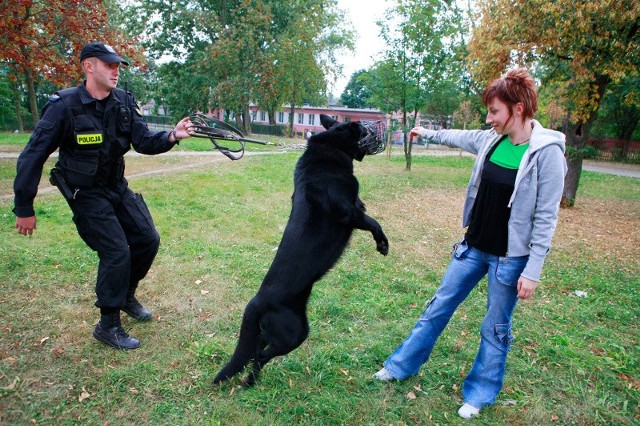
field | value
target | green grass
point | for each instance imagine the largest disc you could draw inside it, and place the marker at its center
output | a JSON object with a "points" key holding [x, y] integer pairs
{"points": [[575, 360]]}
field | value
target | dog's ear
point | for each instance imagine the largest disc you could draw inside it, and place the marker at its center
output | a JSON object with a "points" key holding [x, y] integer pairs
{"points": [[355, 129], [327, 122]]}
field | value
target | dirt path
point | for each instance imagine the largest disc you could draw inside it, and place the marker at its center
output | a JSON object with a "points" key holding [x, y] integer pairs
{"points": [[209, 157]]}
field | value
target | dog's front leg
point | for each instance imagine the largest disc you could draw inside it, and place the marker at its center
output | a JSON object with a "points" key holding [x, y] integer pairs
{"points": [[367, 223]]}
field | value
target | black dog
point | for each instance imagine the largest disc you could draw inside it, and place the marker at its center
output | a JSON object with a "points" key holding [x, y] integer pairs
{"points": [[325, 211]]}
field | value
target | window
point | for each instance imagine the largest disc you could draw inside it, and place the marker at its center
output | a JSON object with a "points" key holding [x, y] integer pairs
{"points": [[263, 116], [300, 118], [254, 115], [281, 117], [312, 119]]}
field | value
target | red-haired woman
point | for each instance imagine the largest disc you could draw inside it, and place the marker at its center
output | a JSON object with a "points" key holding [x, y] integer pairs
{"points": [[510, 213]]}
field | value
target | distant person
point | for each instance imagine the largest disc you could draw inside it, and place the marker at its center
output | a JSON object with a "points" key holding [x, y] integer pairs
{"points": [[511, 212], [94, 125]]}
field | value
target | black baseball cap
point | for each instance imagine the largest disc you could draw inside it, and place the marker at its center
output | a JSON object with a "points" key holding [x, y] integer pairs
{"points": [[101, 51]]}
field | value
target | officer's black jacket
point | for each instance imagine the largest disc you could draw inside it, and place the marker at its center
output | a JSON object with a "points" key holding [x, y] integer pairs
{"points": [[55, 130]]}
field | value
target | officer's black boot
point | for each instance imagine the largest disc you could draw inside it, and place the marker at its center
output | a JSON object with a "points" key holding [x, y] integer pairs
{"points": [[134, 308], [110, 331]]}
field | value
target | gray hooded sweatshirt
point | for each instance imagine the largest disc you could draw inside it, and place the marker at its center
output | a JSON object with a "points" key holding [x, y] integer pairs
{"points": [[535, 201]]}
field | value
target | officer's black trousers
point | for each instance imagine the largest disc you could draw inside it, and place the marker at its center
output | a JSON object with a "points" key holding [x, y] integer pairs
{"points": [[116, 223]]}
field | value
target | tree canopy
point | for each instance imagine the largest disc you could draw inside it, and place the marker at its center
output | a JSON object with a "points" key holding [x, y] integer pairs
{"points": [[358, 91], [422, 52], [576, 48], [41, 40]]}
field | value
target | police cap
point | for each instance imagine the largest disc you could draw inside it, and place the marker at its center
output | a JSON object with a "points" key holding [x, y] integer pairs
{"points": [[101, 51]]}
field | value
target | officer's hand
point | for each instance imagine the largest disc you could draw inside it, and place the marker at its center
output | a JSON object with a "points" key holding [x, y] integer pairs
{"points": [[183, 129], [26, 225]]}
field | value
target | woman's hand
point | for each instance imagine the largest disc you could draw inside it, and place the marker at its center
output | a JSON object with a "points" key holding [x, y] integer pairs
{"points": [[526, 287], [422, 132]]}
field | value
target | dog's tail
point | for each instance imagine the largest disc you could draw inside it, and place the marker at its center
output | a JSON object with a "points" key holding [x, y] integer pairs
{"points": [[248, 344]]}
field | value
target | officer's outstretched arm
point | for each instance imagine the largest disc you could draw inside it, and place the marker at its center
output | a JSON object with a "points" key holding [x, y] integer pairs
{"points": [[26, 225]]}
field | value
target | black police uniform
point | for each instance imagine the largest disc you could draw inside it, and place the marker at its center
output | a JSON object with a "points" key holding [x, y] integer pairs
{"points": [[92, 137]]}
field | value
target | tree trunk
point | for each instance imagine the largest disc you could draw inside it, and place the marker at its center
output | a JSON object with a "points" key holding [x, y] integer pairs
{"points": [[238, 117], [31, 90], [292, 112], [577, 135], [18, 106], [390, 137], [574, 167], [631, 123], [407, 142], [247, 120]]}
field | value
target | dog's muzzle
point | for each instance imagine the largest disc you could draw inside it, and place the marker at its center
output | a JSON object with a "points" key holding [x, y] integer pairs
{"points": [[375, 139]]}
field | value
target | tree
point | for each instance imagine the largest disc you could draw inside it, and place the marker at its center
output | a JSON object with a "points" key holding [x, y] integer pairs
{"points": [[576, 48], [42, 40], [238, 56], [421, 48], [264, 51], [620, 112], [466, 114], [358, 90]]}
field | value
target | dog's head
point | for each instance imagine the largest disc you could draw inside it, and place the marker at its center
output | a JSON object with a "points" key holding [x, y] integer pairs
{"points": [[355, 138]]}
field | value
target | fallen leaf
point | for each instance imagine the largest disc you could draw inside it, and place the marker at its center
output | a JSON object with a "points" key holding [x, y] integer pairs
{"points": [[411, 396], [44, 339], [204, 292], [83, 395]]}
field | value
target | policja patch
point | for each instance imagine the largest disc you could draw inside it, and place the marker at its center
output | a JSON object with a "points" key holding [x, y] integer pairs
{"points": [[89, 139]]}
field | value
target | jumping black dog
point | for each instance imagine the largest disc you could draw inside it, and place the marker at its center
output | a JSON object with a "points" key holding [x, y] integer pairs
{"points": [[325, 211]]}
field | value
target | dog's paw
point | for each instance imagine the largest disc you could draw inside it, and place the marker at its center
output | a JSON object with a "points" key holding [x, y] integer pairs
{"points": [[383, 247]]}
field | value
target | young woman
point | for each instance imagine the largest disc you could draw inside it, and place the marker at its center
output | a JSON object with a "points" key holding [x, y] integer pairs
{"points": [[510, 213]]}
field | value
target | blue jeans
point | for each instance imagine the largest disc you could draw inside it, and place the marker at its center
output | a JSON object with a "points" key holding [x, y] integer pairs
{"points": [[467, 268]]}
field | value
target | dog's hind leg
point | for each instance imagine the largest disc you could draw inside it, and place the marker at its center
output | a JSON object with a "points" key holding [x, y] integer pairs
{"points": [[283, 331], [248, 344]]}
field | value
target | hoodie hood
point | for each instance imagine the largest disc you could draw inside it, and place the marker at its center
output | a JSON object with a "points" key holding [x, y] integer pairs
{"points": [[541, 137]]}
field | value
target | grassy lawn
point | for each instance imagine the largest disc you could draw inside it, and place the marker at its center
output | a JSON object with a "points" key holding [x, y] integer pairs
{"points": [[575, 360]]}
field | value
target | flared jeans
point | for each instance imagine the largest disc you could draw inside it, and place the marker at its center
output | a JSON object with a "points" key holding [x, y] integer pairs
{"points": [[468, 266]]}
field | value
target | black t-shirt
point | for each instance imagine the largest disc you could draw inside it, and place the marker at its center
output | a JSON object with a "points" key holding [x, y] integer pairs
{"points": [[488, 229]]}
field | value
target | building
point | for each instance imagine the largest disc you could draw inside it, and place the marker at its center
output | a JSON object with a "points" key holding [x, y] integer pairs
{"points": [[307, 118]]}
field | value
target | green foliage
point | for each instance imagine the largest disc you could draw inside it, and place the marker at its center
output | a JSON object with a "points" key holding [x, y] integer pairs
{"points": [[358, 90], [619, 112], [586, 151], [234, 52], [422, 42]]}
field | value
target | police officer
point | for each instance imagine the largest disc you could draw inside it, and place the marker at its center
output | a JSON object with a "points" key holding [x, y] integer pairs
{"points": [[94, 125]]}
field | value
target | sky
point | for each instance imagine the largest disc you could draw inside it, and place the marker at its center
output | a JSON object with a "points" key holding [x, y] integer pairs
{"points": [[363, 15]]}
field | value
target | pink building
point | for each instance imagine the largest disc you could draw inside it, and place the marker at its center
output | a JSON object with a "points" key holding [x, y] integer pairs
{"points": [[307, 118]]}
